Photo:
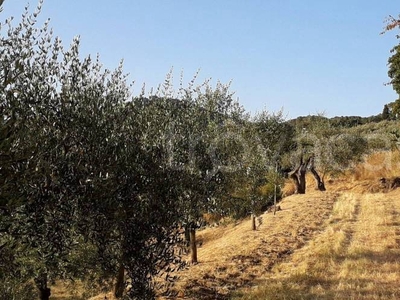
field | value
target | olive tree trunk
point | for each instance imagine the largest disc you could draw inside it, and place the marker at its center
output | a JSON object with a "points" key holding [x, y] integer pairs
{"points": [[253, 222], [299, 176], [319, 181], [120, 283], [41, 284], [275, 190], [193, 246]]}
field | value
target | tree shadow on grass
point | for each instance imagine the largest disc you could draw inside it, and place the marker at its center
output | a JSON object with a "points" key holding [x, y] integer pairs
{"points": [[309, 287]]}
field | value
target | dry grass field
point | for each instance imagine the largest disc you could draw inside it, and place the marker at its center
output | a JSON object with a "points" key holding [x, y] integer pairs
{"points": [[356, 256], [234, 256], [339, 244]]}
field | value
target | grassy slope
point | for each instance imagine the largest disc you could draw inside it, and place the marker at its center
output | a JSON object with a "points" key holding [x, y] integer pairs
{"points": [[341, 244], [234, 256], [357, 256]]}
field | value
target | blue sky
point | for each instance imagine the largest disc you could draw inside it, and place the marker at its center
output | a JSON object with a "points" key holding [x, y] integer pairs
{"points": [[306, 57]]}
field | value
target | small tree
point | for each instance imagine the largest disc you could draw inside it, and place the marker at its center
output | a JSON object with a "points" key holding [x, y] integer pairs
{"points": [[252, 185], [255, 169], [208, 152], [312, 150], [325, 148]]}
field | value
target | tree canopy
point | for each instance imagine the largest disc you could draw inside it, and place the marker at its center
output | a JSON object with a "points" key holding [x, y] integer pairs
{"points": [[98, 185]]}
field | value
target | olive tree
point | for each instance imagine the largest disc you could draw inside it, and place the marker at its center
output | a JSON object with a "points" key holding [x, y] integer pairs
{"points": [[196, 136], [324, 149], [259, 142], [83, 195]]}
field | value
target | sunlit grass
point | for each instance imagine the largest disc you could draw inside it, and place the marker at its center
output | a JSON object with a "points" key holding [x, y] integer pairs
{"points": [[356, 257], [377, 165], [320, 246]]}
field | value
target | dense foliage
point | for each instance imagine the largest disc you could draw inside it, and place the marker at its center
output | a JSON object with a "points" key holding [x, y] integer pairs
{"points": [[81, 189], [98, 185]]}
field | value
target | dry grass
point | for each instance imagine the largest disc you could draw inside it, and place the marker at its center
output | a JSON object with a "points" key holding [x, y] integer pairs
{"points": [[341, 244], [356, 257], [234, 256], [365, 177], [289, 188], [76, 291], [377, 165]]}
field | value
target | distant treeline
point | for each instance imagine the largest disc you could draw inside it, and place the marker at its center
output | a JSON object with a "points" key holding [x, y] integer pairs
{"points": [[339, 122]]}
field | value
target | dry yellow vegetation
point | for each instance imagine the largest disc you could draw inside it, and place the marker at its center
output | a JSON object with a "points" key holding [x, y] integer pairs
{"points": [[357, 256], [339, 244], [234, 256]]}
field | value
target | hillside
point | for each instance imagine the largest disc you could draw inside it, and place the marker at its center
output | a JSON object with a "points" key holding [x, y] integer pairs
{"points": [[339, 244], [234, 256], [356, 256], [330, 246], [333, 245]]}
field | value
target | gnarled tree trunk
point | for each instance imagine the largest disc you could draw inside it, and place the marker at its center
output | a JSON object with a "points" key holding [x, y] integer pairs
{"points": [[319, 181], [299, 176]]}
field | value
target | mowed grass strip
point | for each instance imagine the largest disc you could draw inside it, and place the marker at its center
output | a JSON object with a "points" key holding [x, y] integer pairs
{"points": [[356, 257], [233, 256]]}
